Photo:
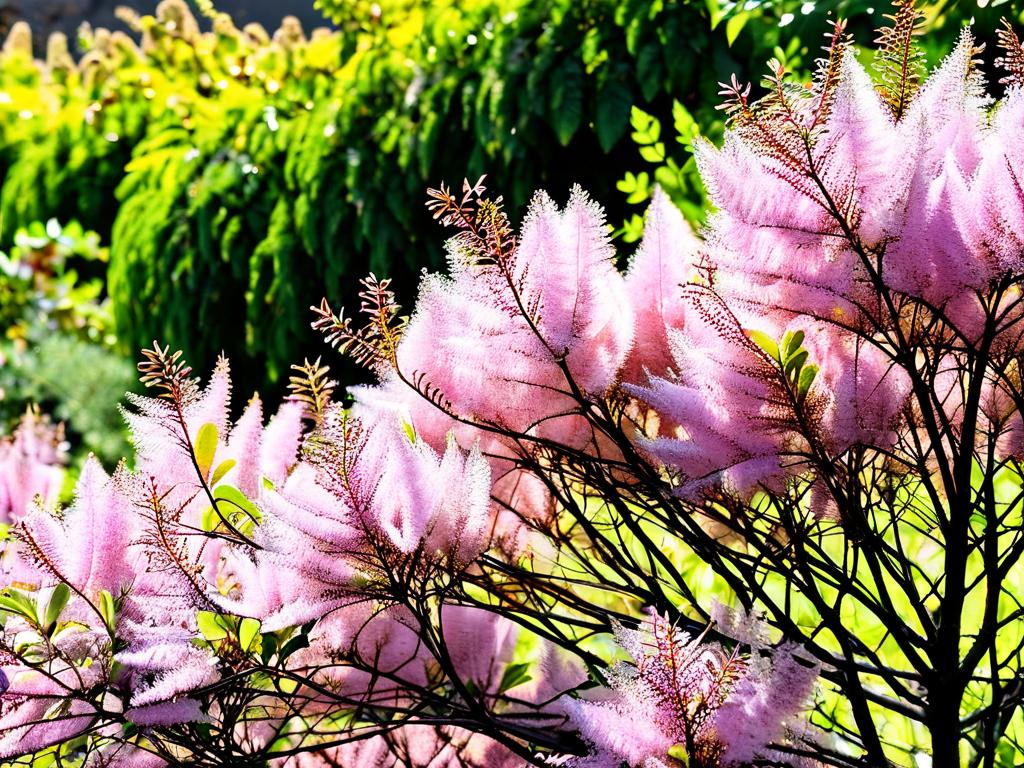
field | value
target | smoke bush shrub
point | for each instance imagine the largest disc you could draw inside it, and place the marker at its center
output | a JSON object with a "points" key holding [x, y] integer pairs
{"points": [[507, 550]]}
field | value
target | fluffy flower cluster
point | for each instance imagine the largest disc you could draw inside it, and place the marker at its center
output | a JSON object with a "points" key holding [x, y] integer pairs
{"points": [[720, 400], [138, 588], [110, 587], [366, 501], [834, 216], [390, 503], [683, 697], [30, 466], [397, 582], [184, 573], [332, 563], [930, 192]]}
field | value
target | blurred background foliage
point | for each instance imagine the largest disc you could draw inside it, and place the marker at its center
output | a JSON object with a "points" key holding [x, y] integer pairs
{"points": [[58, 350], [238, 175]]}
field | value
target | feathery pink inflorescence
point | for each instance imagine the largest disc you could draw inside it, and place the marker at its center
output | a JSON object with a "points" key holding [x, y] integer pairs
{"points": [[929, 199], [809, 225], [30, 695], [367, 491], [680, 692], [30, 466], [90, 545], [556, 302], [127, 549], [721, 405], [655, 280]]}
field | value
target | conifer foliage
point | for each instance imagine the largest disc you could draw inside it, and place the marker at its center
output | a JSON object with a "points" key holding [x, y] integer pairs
{"points": [[507, 551]]}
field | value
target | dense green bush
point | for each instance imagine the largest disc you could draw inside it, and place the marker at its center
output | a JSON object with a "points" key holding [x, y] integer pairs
{"points": [[66, 131], [241, 176]]}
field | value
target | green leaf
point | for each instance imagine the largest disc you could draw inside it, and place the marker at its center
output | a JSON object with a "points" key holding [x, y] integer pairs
{"points": [[222, 469], [1006, 755], [566, 107], [765, 342], [248, 631], [632, 229], [268, 646], [205, 447], [44, 759], [806, 379], [641, 190], [234, 505], [594, 54], [734, 26], [211, 625], [641, 122], [678, 752], [654, 153], [14, 601], [646, 128], [614, 101], [784, 343], [58, 600], [715, 12], [515, 674], [796, 362], [686, 127], [209, 520], [108, 609], [791, 342], [649, 69], [296, 643]]}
